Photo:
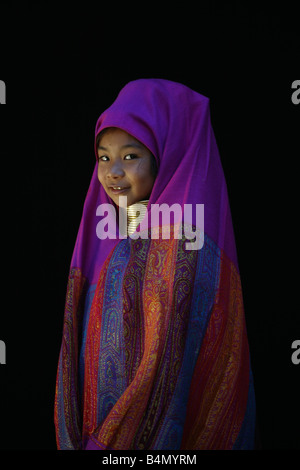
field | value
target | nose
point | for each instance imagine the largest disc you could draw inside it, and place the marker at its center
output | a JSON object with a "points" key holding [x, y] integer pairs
{"points": [[116, 170]]}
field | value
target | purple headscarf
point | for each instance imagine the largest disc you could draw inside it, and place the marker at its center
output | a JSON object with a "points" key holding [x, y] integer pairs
{"points": [[173, 122]]}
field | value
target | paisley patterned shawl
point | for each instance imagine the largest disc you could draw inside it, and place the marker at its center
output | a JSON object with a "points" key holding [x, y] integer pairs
{"points": [[154, 352]]}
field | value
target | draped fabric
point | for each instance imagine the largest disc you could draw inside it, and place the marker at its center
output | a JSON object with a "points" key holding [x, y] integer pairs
{"points": [[154, 352]]}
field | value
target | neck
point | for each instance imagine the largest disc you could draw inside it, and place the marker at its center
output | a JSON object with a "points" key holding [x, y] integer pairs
{"points": [[135, 214]]}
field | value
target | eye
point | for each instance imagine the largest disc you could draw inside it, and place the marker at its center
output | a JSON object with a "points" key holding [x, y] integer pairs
{"points": [[102, 158], [130, 156]]}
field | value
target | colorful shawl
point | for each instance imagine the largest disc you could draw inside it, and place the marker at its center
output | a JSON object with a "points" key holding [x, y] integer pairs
{"points": [[154, 352]]}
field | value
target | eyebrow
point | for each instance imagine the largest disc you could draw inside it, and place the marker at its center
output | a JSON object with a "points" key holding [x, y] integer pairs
{"points": [[132, 145]]}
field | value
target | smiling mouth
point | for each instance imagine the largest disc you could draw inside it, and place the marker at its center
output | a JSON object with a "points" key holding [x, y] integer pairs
{"points": [[118, 189]]}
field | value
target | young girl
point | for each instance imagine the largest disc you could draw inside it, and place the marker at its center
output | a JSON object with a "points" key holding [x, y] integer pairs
{"points": [[154, 352]]}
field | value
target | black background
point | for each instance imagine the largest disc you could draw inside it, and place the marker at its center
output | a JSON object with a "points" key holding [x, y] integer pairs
{"points": [[62, 68]]}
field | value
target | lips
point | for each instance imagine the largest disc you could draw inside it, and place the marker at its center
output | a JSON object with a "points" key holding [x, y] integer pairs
{"points": [[116, 189]]}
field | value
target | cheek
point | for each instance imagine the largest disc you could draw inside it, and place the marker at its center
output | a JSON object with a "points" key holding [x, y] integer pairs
{"points": [[143, 173], [143, 179], [100, 175]]}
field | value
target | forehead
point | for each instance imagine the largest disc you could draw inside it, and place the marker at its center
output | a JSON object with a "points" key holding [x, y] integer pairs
{"points": [[116, 136]]}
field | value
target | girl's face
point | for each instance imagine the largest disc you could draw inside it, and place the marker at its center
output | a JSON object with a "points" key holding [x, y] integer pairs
{"points": [[124, 166]]}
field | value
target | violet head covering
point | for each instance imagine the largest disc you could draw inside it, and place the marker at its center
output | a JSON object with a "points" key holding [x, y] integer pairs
{"points": [[155, 352]]}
